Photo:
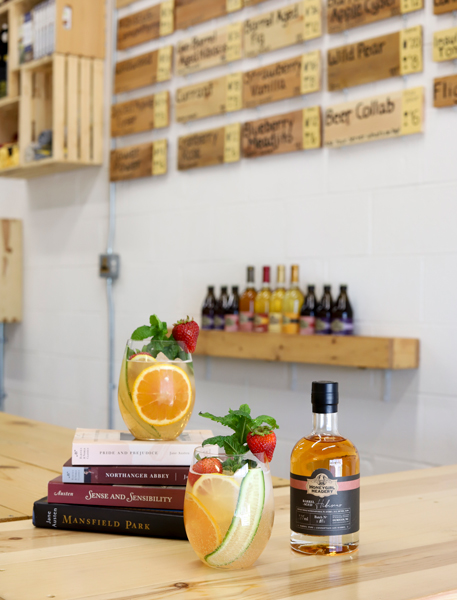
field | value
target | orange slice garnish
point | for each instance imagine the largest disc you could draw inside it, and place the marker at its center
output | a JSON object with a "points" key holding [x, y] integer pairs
{"points": [[203, 532]]}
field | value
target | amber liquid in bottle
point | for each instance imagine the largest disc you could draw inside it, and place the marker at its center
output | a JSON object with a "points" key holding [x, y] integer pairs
{"points": [[247, 301]]}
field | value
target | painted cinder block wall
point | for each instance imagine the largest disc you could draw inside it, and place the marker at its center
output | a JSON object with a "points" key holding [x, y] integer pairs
{"points": [[380, 217]]}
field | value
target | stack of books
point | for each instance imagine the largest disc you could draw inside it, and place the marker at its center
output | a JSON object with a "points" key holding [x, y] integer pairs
{"points": [[116, 484]]}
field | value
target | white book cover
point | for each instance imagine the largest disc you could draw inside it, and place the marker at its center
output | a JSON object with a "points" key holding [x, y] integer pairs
{"points": [[51, 26], [113, 447]]}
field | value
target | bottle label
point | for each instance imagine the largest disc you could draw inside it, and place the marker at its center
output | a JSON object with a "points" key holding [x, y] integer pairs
{"points": [[323, 325], [324, 504], [307, 325], [290, 322], [275, 324], [261, 322], [246, 321], [207, 322], [343, 326], [232, 322], [219, 322]]}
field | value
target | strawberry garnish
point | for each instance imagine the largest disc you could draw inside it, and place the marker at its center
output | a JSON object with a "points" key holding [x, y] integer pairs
{"points": [[262, 443], [186, 331], [204, 466]]}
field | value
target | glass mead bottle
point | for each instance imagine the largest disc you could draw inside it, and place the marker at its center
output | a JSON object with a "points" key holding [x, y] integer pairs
{"points": [[324, 482]]}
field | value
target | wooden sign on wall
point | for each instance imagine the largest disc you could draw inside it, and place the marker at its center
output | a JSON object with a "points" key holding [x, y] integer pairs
{"points": [[445, 45], [346, 14], [142, 114], [209, 148], [445, 91], [298, 130], [143, 160], [122, 3], [141, 71], [11, 270], [375, 59], [212, 49], [283, 27], [193, 12], [149, 24], [381, 117], [201, 100], [444, 6]]}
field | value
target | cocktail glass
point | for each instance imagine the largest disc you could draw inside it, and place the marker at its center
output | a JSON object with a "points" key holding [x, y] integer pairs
{"points": [[228, 516], [156, 394]]}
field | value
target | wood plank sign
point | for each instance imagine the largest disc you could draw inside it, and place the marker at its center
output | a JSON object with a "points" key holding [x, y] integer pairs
{"points": [[444, 6], [149, 24], [141, 71], [11, 277], [212, 49], [375, 59], [201, 100], [346, 14], [143, 160], [445, 45], [122, 3], [445, 91], [142, 114], [209, 148], [282, 80], [193, 12], [298, 130], [283, 27], [377, 118]]}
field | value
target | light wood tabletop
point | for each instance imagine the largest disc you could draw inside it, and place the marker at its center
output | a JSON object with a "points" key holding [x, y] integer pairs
{"points": [[408, 544]]}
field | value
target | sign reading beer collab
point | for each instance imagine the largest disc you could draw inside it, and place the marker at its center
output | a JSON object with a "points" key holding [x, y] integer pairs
{"points": [[445, 91], [444, 6], [146, 69], [375, 59], [283, 27], [445, 45], [212, 49], [150, 24], [192, 12], [346, 14], [209, 148], [143, 160], [298, 130], [143, 114], [381, 117]]}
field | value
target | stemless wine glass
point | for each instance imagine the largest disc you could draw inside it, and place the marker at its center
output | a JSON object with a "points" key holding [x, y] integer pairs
{"points": [[228, 516], [156, 392]]}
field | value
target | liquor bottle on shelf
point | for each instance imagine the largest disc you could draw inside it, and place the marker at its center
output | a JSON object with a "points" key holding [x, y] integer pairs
{"points": [[262, 304], [247, 301], [308, 313], [275, 321], [3, 59], [208, 309], [324, 482], [292, 303], [232, 311], [219, 312], [324, 312], [342, 314]]}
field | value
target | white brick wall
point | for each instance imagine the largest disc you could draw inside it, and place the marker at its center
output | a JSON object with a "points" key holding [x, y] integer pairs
{"points": [[380, 217]]}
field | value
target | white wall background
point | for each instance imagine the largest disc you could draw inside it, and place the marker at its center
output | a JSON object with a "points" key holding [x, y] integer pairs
{"points": [[380, 217]]}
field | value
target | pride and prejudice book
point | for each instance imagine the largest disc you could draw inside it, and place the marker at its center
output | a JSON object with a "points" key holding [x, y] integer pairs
{"points": [[111, 447], [128, 475], [103, 519], [132, 496]]}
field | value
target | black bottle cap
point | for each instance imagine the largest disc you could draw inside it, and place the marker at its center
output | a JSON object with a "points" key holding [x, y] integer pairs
{"points": [[343, 288], [211, 289], [234, 289], [311, 288], [224, 289], [324, 396], [327, 288]]}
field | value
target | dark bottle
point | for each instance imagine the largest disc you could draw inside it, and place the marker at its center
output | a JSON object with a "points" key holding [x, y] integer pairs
{"points": [[308, 313], [232, 311], [342, 314], [219, 312], [324, 313], [3, 59], [208, 309]]}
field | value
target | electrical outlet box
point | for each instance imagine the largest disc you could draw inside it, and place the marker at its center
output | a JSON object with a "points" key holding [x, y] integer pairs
{"points": [[109, 266]]}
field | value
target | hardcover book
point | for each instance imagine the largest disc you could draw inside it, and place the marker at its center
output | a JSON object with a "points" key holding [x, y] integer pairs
{"points": [[128, 475], [150, 523], [111, 447], [134, 496]]}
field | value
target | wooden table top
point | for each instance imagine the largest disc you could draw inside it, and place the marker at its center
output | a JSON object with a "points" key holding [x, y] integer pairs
{"points": [[408, 543]]}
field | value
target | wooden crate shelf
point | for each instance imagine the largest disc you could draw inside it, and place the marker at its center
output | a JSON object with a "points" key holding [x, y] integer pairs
{"points": [[350, 351]]}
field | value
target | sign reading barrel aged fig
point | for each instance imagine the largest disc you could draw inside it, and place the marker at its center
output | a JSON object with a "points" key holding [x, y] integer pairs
{"points": [[445, 45], [346, 14], [445, 91], [143, 114], [143, 160], [211, 49], [444, 6], [150, 24], [381, 117], [283, 27], [375, 59], [141, 71], [192, 12], [209, 148], [298, 130]]}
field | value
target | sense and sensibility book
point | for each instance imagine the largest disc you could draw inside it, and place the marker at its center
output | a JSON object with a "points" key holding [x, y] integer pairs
{"points": [[127, 474], [111, 447]]}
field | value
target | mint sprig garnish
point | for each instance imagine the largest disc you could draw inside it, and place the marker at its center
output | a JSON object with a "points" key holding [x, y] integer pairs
{"points": [[158, 331]]}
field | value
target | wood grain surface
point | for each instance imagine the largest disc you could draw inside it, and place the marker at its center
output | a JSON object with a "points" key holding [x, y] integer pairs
{"points": [[444, 6], [346, 14], [273, 135], [193, 12], [445, 91], [139, 115], [141, 71], [200, 100], [11, 270], [131, 162]]}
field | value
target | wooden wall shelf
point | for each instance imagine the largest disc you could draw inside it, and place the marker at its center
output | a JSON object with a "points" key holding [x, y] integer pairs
{"points": [[351, 351]]}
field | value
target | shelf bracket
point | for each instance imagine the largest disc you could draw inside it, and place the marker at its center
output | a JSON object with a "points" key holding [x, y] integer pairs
{"points": [[387, 391]]}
